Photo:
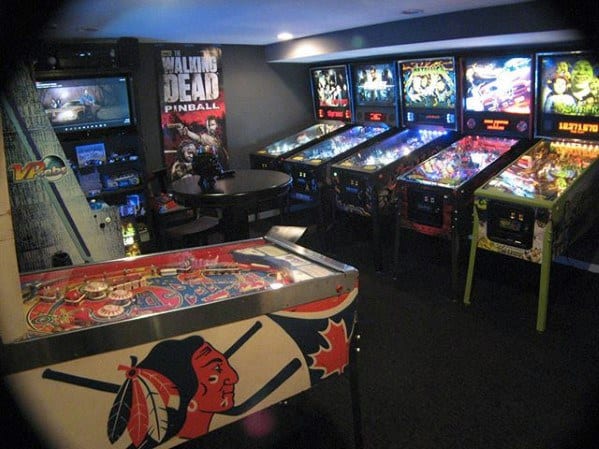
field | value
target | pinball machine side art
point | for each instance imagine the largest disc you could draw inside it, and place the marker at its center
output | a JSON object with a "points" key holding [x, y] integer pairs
{"points": [[167, 392]]}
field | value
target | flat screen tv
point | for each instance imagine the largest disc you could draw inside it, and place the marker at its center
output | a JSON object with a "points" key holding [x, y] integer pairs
{"points": [[374, 84], [80, 104], [567, 95], [428, 92], [330, 92]]}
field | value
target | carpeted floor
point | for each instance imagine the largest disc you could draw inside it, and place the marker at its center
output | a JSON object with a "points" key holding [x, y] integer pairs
{"points": [[434, 374]]}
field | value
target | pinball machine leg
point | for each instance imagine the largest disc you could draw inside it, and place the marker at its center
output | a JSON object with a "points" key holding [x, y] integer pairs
{"points": [[455, 256], [396, 242], [376, 238], [471, 260], [455, 269], [544, 279], [355, 390], [324, 231]]}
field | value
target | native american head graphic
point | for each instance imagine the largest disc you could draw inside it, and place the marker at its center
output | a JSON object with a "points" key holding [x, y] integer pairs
{"points": [[175, 390]]}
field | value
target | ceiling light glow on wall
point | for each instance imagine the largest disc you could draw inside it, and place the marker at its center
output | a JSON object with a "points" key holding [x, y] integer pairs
{"points": [[87, 29], [284, 36], [412, 11]]}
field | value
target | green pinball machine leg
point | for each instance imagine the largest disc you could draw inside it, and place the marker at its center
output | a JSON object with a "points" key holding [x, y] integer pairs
{"points": [[544, 279], [455, 256], [472, 258]]}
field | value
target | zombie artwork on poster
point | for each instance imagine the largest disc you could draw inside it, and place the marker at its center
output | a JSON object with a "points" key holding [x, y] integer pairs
{"points": [[192, 106]]}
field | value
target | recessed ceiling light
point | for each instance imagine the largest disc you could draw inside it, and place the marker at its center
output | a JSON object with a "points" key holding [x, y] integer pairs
{"points": [[285, 36], [412, 12]]}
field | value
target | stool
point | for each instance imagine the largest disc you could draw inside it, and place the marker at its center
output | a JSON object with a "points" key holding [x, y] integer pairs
{"points": [[191, 233]]}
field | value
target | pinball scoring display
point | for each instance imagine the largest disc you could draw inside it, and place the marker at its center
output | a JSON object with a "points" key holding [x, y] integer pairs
{"points": [[375, 117]]}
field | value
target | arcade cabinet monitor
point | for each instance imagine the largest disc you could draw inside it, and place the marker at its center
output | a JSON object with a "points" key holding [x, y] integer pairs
{"points": [[83, 104]]}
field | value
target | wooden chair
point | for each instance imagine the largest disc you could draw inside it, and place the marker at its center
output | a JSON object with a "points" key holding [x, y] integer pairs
{"points": [[177, 226]]}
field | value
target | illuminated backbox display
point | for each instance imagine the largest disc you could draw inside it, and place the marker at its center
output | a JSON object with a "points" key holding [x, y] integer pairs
{"points": [[331, 93], [497, 94], [375, 92], [568, 95], [428, 92], [374, 84]]}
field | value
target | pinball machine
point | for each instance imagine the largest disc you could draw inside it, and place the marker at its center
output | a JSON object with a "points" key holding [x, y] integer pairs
{"points": [[310, 167], [332, 110], [536, 208], [436, 196], [365, 182], [269, 157], [161, 349]]}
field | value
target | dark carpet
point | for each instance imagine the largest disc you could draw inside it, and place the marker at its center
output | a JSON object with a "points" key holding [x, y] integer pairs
{"points": [[434, 373]]}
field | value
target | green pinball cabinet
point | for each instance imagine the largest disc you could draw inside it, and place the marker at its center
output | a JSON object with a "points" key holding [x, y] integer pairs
{"points": [[537, 207]]}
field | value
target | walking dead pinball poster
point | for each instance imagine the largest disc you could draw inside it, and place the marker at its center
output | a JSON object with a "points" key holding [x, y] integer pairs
{"points": [[192, 105]]}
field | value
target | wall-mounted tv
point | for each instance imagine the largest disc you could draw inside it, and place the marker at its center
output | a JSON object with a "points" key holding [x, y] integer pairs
{"points": [[428, 92], [330, 92], [567, 95], [78, 103], [374, 84], [497, 95]]}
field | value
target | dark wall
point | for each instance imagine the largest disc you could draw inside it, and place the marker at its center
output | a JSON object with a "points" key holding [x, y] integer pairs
{"points": [[264, 101]]}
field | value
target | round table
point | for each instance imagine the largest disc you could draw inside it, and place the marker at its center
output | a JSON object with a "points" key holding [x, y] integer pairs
{"points": [[235, 195]]}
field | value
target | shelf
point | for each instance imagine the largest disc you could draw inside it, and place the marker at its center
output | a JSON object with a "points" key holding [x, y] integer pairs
{"points": [[122, 191]]}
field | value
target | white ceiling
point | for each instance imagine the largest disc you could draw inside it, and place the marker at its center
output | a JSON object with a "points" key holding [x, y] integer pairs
{"points": [[251, 22]]}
